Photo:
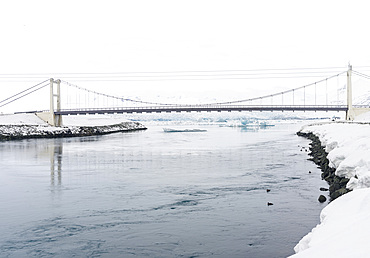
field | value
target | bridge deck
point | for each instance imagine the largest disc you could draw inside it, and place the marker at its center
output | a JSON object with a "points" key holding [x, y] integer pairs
{"points": [[199, 108]]}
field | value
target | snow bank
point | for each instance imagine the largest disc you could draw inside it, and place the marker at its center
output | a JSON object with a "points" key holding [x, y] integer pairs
{"points": [[21, 119], [348, 145], [21, 126], [13, 132], [344, 230], [79, 120], [345, 223]]}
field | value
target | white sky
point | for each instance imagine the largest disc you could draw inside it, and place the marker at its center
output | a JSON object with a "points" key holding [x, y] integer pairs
{"points": [[51, 37]]}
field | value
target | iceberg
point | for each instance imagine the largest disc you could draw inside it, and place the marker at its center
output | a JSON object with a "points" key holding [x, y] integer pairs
{"points": [[169, 130]]}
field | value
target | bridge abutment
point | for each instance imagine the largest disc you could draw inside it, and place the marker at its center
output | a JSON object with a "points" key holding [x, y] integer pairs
{"points": [[352, 112]]}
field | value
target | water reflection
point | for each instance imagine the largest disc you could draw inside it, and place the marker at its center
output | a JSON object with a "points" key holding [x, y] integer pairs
{"points": [[55, 152], [74, 149]]}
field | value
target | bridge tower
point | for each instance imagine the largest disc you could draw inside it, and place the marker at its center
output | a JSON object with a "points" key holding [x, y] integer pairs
{"points": [[352, 112], [350, 115], [50, 117]]}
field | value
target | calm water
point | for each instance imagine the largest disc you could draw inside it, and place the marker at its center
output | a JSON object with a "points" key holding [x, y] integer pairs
{"points": [[158, 194]]}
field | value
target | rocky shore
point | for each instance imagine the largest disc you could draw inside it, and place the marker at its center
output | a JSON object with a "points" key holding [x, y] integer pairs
{"points": [[337, 185], [18, 132]]}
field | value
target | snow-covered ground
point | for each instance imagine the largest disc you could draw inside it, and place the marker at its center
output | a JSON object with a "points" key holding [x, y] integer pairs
{"points": [[20, 126], [344, 230], [83, 120], [20, 119]]}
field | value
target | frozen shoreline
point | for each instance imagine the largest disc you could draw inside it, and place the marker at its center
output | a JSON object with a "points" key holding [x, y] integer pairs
{"points": [[18, 132], [26, 126], [345, 222], [337, 184]]}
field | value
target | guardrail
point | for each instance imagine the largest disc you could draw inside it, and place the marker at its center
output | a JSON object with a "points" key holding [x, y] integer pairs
{"points": [[202, 108]]}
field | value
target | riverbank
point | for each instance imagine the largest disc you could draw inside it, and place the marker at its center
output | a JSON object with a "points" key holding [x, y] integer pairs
{"points": [[27, 126], [18, 132], [345, 160], [337, 185]]}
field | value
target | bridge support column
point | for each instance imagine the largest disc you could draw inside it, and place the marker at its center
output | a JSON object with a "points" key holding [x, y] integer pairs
{"points": [[58, 118], [350, 115], [50, 117]]}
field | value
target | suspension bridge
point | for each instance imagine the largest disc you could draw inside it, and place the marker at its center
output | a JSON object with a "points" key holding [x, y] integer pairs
{"points": [[310, 97]]}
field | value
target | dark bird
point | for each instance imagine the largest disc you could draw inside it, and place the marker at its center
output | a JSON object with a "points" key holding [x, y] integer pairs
{"points": [[268, 190], [269, 203]]}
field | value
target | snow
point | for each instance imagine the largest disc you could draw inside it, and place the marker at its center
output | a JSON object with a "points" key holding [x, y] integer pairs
{"points": [[20, 119], [348, 145], [79, 120], [20, 126], [344, 228]]}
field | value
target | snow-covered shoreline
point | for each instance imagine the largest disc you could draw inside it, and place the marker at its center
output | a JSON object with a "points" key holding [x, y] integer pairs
{"points": [[25, 126], [348, 149], [337, 184], [345, 222], [344, 229], [17, 132]]}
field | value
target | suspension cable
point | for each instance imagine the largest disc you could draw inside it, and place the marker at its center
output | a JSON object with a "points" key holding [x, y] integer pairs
{"points": [[23, 91], [206, 104], [24, 95], [361, 74], [276, 94], [115, 97]]}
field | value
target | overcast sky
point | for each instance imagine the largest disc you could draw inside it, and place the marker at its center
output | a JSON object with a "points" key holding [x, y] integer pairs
{"points": [[57, 37]]}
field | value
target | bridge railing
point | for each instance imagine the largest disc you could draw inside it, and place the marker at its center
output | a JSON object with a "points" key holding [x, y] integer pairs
{"points": [[202, 108]]}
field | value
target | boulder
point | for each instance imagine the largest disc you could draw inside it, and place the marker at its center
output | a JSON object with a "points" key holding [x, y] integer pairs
{"points": [[322, 198], [334, 195]]}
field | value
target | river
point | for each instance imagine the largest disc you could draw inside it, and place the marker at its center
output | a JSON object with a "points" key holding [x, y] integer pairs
{"points": [[157, 194]]}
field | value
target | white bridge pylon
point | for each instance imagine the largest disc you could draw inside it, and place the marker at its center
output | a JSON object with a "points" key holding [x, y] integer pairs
{"points": [[352, 112], [50, 117]]}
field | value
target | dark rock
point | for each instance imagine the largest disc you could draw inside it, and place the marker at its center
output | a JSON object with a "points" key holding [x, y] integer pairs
{"points": [[338, 193], [334, 187], [324, 189], [322, 198], [337, 185], [343, 181]]}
